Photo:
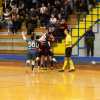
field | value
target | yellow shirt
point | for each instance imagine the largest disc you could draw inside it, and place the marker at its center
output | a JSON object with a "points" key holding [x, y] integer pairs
{"points": [[68, 40]]}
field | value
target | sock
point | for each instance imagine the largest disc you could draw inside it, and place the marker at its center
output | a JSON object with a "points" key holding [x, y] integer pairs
{"points": [[45, 63], [38, 63], [28, 61], [71, 64], [65, 64], [33, 62], [51, 62]]}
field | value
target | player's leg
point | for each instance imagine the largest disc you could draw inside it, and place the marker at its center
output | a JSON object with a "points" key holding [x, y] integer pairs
{"points": [[70, 62], [42, 61], [71, 65], [52, 58], [38, 58], [33, 63], [45, 61], [65, 61], [41, 54], [34, 54], [50, 61], [64, 65], [46, 54], [28, 61]]}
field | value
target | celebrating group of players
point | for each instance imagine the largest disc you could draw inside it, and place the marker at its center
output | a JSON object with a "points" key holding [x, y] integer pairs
{"points": [[40, 50]]}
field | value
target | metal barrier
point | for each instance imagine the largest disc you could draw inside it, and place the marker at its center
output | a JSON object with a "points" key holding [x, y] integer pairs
{"points": [[88, 21]]}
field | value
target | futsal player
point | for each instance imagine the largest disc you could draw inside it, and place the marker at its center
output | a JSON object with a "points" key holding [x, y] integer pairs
{"points": [[45, 47], [32, 49]]}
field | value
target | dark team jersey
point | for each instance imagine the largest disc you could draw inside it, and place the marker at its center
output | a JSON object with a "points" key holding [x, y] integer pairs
{"points": [[32, 44], [43, 40]]}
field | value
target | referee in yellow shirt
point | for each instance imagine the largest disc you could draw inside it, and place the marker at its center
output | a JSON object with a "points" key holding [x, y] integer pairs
{"points": [[68, 51]]}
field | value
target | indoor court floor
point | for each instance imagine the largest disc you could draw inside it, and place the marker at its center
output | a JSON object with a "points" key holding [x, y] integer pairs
{"points": [[18, 82]]}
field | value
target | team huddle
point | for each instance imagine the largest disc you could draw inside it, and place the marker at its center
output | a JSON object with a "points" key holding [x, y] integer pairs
{"points": [[40, 50]]}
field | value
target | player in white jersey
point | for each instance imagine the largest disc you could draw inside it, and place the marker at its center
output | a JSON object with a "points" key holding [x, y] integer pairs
{"points": [[45, 47]]}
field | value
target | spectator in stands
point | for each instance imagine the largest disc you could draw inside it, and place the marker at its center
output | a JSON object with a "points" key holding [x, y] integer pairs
{"points": [[14, 22], [34, 3], [54, 11], [44, 9], [14, 6], [89, 42], [31, 21], [49, 8], [21, 5], [66, 9], [58, 32], [69, 6], [7, 18], [21, 13], [43, 14], [92, 2], [53, 20], [84, 6], [62, 27], [7, 3], [77, 4], [7, 14], [72, 4], [28, 4], [62, 12], [58, 5]]}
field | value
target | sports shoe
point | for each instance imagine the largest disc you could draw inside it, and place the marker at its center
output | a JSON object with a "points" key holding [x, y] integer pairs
{"points": [[27, 62], [71, 70], [54, 60], [61, 70], [93, 62]]}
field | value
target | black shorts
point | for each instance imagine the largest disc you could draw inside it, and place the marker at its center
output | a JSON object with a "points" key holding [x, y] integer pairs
{"points": [[68, 52], [31, 54], [43, 52]]}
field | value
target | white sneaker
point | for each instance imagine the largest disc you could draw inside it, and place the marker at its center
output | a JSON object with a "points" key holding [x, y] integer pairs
{"points": [[28, 62], [93, 62], [54, 60]]}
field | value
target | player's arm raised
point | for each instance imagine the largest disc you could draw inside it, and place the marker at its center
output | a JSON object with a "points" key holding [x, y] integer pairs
{"points": [[23, 36]]}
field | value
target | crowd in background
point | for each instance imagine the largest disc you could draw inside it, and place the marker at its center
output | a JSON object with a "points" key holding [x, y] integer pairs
{"points": [[36, 13]]}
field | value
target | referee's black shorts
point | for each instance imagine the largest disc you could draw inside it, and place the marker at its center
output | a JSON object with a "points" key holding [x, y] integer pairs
{"points": [[68, 52]]}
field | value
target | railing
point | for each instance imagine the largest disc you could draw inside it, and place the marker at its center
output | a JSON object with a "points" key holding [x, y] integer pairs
{"points": [[84, 24]]}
